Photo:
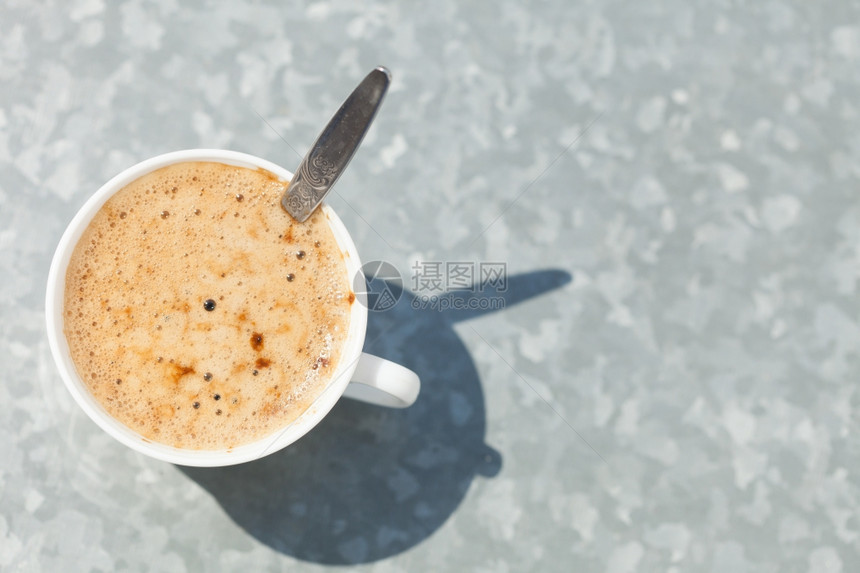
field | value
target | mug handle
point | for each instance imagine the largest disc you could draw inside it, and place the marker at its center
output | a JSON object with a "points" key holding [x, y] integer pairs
{"points": [[382, 382]]}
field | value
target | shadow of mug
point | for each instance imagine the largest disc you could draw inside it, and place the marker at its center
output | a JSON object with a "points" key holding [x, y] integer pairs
{"points": [[370, 482]]}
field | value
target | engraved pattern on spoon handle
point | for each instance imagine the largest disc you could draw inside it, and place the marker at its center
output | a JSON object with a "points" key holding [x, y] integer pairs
{"points": [[335, 146]]}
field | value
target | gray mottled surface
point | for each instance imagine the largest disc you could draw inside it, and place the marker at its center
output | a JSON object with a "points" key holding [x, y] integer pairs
{"points": [[672, 385]]}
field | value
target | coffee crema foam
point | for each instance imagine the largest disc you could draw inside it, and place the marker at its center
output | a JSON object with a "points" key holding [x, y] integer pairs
{"points": [[199, 313]]}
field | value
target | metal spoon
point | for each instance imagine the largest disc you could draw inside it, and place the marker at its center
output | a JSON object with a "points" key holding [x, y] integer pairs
{"points": [[335, 146]]}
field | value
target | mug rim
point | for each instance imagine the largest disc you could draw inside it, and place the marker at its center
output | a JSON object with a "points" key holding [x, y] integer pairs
{"points": [[276, 440]]}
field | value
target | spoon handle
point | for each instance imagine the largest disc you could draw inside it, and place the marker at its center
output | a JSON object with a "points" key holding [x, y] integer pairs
{"points": [[335, 146]]}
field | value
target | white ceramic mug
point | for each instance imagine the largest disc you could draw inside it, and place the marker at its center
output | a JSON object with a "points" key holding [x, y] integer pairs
{"points": [[358, 375]]}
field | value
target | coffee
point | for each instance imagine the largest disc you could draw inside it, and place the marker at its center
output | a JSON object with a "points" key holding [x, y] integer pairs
{"points": [[200, 314]]}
